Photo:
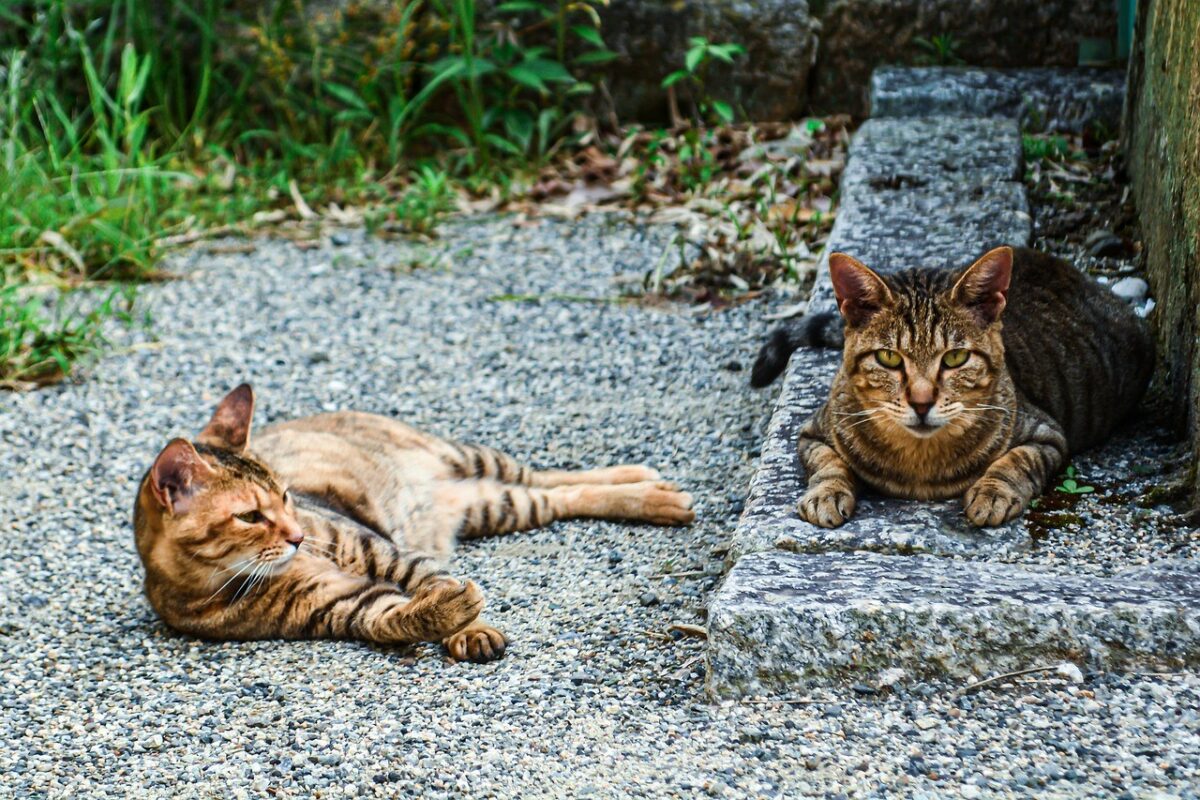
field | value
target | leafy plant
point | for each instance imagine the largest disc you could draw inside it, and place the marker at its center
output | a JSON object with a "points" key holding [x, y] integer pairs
{"points": [[700, 55], [939, 50], [421, 208], [1070, 484], [36, 349]]}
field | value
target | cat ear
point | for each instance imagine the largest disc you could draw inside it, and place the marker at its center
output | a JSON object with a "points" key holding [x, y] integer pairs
{"points": [[861, 294], [230, 424], [176, 475], [983, 288]]}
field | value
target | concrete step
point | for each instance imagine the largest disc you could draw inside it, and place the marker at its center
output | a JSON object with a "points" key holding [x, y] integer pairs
{"points": [[781, 620], [1040, 99]]}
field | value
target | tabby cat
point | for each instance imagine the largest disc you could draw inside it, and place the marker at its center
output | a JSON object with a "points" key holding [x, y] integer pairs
{"points": [[339, 526], [976, 383]]}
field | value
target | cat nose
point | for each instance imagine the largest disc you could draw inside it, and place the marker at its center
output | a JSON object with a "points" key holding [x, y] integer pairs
{"points": [[293, 534], [921, 408]]}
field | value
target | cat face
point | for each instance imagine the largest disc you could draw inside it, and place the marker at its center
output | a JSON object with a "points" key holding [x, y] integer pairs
{"points": [[923, 358], [211, 509]]}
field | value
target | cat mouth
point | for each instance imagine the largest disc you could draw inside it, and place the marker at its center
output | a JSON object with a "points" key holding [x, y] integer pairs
{"points": [[923, 429]]}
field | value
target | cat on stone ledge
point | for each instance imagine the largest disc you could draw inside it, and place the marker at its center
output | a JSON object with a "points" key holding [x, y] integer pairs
{"points": [[976, 383]]}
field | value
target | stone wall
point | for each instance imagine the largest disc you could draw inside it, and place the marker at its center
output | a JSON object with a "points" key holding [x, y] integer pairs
{"points": [[1162, 146]]}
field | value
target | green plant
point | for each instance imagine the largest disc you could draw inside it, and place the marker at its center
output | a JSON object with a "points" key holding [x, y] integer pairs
{"points": [[939, 50], [421, 207], [700, 54], [1070, 484], [36, 349], [1045, 147]]}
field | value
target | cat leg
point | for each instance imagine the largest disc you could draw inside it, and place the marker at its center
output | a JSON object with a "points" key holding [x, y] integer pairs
{"points": [[314, 601], [477, 461], [485, 508], [360, 551], [829, 500], [1015, 478]]}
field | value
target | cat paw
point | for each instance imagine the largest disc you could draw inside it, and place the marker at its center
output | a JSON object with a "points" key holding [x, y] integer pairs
{"points": [[990, 502], [826, 505], [447, 607], [663, 504], [478, 642]]}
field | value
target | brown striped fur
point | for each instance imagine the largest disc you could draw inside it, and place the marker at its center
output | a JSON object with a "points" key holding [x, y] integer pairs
{"points": [[1055, 362], [339, 526]]}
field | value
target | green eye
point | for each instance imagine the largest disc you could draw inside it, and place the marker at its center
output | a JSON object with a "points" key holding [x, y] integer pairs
{"points": [[889, 358], [251, 517], [955, 358]]}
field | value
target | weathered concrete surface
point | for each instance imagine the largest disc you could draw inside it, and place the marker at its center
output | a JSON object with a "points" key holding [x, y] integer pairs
{"points": [[928, 192], [1041, 99], [781, 619], [1163, 154], [859, 35]]}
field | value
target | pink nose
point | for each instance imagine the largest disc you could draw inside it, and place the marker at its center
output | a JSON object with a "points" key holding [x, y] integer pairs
{"points": [[921, 408], [295, 535]]}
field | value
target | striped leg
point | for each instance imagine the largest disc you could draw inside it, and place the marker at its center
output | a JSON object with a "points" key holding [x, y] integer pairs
{"points": [[478, 461], [486, 507]]}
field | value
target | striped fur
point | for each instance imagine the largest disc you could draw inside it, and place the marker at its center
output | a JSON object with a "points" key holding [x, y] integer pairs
{"points": [[1055, 362], [340, 525]]}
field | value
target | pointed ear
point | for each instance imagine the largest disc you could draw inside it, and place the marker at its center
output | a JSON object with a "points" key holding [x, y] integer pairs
{"points": [[177, 474], [983, 288], [230, 424], [861, 294]]}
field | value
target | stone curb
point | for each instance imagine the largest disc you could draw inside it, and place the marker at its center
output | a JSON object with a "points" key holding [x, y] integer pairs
{"points": [[847, 617]]}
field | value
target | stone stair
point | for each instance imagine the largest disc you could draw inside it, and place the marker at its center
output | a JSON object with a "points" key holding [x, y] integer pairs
{"points": [[891, 589]]}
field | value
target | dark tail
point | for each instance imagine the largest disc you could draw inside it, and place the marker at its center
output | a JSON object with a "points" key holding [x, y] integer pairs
{"points": [[811, 330]]}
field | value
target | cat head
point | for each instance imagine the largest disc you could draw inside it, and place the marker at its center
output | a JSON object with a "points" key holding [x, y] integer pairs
{"points": [[923, 350], [209, 511]]}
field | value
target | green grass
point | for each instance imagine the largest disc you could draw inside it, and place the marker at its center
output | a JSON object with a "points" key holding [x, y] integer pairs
{"points": [[126, 122]]}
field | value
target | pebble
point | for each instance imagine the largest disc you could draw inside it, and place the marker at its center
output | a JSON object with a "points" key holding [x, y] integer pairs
{"points": [[1132, 289]]}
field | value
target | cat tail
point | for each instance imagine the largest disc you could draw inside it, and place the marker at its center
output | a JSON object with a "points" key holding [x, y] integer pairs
{"points": [[823, 329]]}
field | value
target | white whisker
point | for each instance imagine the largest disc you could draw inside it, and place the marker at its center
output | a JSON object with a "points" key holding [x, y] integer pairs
{"points": [[231, 580]]}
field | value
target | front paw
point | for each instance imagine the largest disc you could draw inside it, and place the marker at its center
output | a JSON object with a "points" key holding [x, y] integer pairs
{"points": [[478, 642], [827, 505], [446, 607], [990, 502]]}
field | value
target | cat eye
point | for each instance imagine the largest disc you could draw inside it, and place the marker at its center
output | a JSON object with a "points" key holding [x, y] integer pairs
{"points": [[955, 358], [889, 358], [251, 517]]}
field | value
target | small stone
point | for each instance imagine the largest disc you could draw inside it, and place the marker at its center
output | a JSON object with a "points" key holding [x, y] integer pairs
{"points": [[615, 557], [925, 723], [1131, 289], [340, 239], [152, 742], [1106, 244], [649, 599], [732, 366]]}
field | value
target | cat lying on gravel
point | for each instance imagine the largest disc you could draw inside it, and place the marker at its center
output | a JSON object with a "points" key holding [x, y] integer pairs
{"points": [[337, 526], [938, 397]]}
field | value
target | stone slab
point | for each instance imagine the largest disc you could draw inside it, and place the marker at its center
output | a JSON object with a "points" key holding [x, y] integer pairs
{"points": [[1040, 98], [930, 192], [915, 152], [783, 619]]}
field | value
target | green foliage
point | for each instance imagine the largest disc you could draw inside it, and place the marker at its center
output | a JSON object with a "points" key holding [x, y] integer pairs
{"points": [[36, 349], [423, 205], [1046, 147], [123, 122], [939, 50], [1070, 484], [700, 55]]}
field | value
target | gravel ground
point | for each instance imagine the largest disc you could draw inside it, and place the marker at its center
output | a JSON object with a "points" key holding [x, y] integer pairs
{"points": [[99, 700]]}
